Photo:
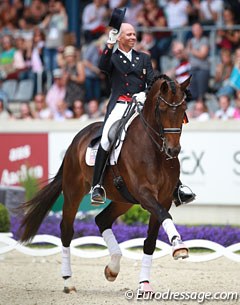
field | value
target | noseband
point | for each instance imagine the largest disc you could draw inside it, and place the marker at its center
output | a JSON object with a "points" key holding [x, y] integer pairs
{"points": [[163, 130]]}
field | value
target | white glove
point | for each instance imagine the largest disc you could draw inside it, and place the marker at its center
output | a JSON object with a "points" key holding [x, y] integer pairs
{"points": [[140, 97], [112, 36]]}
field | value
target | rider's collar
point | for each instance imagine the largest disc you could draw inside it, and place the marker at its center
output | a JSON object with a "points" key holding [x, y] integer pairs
{"points": [[127, 54]]}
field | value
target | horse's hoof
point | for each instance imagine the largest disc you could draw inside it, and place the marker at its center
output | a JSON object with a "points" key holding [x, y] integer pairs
{"points": [[180, 250], [145, 290], [109, 275], [69, 289], [180, 253]]}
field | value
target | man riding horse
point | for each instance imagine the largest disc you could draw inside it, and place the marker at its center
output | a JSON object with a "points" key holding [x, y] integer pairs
{"points": [[130, 72]]}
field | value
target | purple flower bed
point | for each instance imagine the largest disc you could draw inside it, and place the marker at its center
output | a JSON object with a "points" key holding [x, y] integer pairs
{"points": [[224, 235]]}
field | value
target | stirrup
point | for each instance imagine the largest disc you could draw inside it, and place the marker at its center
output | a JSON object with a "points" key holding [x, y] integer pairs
{"points": [[191, 195], [101, 199]]}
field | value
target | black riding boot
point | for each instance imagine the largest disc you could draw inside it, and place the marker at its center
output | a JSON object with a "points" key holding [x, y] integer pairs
{"points": [[98, 192], [179, 197]]}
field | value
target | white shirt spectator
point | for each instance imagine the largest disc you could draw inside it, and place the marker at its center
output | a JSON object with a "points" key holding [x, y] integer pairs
{"points": [[203, 117], [93, 16], [36, 62], [216, 7], [225, 115], [132, 11], [176, 13]]}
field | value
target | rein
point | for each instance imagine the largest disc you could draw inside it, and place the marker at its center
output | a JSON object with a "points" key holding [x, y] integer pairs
{"points": [[163, 130]]}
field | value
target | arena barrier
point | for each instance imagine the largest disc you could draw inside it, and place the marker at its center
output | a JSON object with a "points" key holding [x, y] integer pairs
{"points": [[162, 248]]}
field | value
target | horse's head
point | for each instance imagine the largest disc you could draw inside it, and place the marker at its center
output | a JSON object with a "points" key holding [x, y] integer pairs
{"points": [[164, 111]]}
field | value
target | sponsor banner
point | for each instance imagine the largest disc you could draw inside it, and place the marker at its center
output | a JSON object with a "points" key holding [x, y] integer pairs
{"points": [[210, 163], [210, 166], [22, 155]]}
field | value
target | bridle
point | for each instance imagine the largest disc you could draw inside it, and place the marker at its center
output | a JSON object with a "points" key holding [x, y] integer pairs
{"points": [[160, 134], [157, 114]]}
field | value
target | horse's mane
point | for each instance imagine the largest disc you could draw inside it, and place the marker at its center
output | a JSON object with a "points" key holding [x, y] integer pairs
{"points": [[161, 76]]}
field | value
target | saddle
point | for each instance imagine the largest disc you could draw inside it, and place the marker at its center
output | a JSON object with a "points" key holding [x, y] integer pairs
{"points": [[116, 136]]}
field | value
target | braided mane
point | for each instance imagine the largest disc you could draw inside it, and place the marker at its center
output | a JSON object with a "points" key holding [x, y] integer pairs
{"points": [[162, 76]]}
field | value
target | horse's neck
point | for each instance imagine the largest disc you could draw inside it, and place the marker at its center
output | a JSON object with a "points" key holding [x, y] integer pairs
{"points": [[148, 113]]}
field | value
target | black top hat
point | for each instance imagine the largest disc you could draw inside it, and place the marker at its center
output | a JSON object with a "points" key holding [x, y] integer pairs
{"points": [[117, 18]]}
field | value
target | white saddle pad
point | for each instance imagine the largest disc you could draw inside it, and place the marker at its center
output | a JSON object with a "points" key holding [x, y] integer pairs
{"points": [[91, 152]]}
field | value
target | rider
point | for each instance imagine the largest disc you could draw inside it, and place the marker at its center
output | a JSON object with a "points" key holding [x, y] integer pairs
{"points": [[130, 73]]}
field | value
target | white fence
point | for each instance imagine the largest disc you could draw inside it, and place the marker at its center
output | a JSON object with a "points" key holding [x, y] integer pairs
{"points": [[164, 249]]}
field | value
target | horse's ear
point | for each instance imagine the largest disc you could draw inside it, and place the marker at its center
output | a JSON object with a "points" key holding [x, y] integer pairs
{"points": [[164, 87], [186, 83]]}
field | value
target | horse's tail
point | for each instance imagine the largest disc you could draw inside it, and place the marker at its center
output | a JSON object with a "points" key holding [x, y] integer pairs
{"points": [[38, 207]]}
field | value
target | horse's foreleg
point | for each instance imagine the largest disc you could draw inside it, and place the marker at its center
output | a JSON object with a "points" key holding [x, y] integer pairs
{"points": [[179, 249], [104, 222], [112, 269], [148, 249]]}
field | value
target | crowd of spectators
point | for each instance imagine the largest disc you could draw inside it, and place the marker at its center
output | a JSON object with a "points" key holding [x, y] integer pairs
{"points": [[35, 45]]}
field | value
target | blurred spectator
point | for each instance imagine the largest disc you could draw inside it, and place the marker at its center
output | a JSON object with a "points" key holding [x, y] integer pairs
{"points": [[199, 112], [60, 58], [229, 38], [182, 69], [148, 44], [235, 6], [105, 81], [8, 14], [5, 112], [7, 57], [198, 51], [37, 66], [116, 4], [104, 106], [55, 24], [93, 109], [236, 114], [134, 7], [91, 55], [223, 70], [152, 15], [62, 112], [33, 14], [210, 11], [194, 12], [37, 51], [177, 12], [22, 58], [57, 91], [25, 112], [225, 110], [233, 83], [79, 111], [41, 111], [93, 20], [75, 75]]}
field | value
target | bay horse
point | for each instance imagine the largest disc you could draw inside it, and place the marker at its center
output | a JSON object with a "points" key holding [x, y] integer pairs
{"points": [[149, 166]]}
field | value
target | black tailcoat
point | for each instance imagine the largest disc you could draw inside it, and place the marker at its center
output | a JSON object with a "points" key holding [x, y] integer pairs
{"points": [[127, 78]]}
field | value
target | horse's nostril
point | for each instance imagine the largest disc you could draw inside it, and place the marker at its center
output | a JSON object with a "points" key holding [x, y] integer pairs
{"points": [[173, 151]]}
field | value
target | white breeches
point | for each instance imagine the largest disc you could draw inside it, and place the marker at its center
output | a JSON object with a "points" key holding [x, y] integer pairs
{"points": [[114, 116]]}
